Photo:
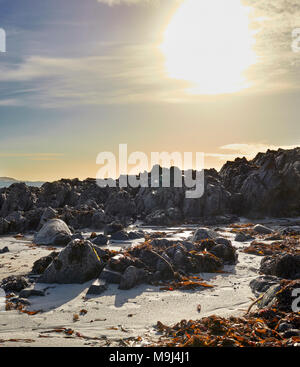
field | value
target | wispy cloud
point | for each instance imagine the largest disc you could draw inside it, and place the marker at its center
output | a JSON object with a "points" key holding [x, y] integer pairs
{"points": [[121, 77], [127, 2], [247, 150], [33, 156]]}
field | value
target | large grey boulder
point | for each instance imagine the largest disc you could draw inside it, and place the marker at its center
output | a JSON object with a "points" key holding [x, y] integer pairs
{"points": [[53, 232], [77, 263]]}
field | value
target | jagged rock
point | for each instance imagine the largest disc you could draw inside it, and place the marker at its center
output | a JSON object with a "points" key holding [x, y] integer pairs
{"points": [[215, 201], [17, 222], [132, 277], [262, 229], [265, 186], [149, 200], [18, 197], [285, 266], [100, 240], [120, 204], [14, 283], [159, 218], [76, 263], [49, 213], [100, 219], [53, 230], [268, 184], [40, 265], [203, 234]]}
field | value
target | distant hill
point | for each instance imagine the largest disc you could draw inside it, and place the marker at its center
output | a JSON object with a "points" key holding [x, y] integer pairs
{"points": [[7, 181]]}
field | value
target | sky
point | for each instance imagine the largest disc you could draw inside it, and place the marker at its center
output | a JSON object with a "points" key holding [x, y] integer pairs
{"points": [[81, 77]]}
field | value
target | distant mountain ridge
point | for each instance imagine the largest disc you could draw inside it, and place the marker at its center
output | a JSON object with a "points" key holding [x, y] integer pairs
{"points": [[7, 181]]}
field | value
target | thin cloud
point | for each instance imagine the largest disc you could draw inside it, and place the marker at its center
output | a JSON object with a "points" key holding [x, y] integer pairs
{"points": [[32, 156]]}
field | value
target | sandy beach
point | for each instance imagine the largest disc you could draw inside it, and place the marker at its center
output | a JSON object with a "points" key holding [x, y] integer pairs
{"points": [[117, 315]]}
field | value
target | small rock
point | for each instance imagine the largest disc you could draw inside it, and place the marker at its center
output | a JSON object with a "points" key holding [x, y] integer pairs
{"points": [[97, 288], [4, 250], [119, 236], [260, 229], [112, 228], [136, 235], [243, 237], [204, 234], [14, 283], [100, 240]]}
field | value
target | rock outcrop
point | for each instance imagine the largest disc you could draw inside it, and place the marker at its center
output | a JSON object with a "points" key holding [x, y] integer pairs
{"points": [[267, 185]]}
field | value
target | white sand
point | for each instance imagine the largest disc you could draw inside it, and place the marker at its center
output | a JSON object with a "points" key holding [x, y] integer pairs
{"points": [[117, 314]]}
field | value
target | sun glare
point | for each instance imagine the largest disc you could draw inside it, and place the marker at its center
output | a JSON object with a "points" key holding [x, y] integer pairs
{"points": [[209, 43]]}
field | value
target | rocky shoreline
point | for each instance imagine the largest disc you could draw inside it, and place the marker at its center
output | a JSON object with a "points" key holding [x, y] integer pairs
{"points": [[99, 242], [267, 186]]}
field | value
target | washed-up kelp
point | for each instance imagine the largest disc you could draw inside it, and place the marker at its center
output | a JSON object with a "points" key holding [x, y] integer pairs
{"points": [[291, 246]]}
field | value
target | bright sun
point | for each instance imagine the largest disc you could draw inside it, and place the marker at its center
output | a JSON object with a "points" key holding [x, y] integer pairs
{"points": [[209, 43]]}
